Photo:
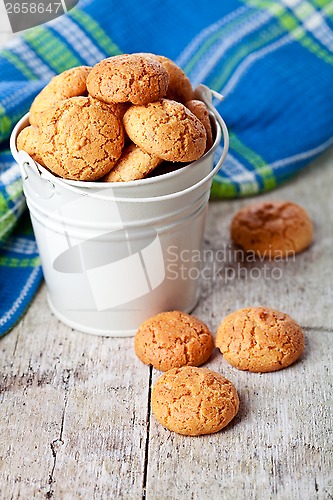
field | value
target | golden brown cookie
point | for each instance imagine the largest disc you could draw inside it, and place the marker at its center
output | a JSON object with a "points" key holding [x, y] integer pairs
{"points": [[132, 165], [260, 339], [117, 108], [134, 78], [28, 141], [180, 88], [166, 129], [194, 401], [272, 228], [81, 139], [199, 109], [173, 339], [70, 83]]}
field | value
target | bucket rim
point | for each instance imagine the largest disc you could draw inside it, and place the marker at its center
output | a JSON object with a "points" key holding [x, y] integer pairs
{"points": [[75, 186], [100, 185]]}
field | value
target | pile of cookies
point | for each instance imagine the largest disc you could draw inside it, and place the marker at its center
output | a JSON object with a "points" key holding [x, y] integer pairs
{"points": [[194, 401], [117, 121]]}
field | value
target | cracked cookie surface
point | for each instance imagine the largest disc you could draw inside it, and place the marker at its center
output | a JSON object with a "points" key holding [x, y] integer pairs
{"points": [[70, 83], [272, 228], [194, 401], [260, 339], [166, 129], [133, 164], [81, 139], [199, 109], [28, 141], [179, 88], [173, 339], [134, 78]]}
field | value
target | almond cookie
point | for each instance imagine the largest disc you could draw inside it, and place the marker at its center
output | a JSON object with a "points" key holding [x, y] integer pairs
{"points": [[199, 109], [260, 339], [272, 228], [180, 88], [194, 401], [70, 83], [117, 108], [28, 141], [173, 339], [134, 78], [81, 139], [166, 129], [132, 165]]}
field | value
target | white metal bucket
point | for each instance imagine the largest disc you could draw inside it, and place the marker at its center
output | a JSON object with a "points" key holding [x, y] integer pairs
{"points": [[111, 252]]}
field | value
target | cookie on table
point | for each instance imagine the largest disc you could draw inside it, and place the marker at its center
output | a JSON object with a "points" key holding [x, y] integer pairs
{"points": [[272, 228], [70, 83], [133, 78], [194, 401], [166, 129], [81, 139], [260, 339], [180, 88], [28, 141], [173, 339], [199, 109], [133, 164]]}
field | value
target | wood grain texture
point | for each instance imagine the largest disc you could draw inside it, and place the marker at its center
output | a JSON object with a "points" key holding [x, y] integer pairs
{"points": [[275, 448], [74, 407], [73, 412]]}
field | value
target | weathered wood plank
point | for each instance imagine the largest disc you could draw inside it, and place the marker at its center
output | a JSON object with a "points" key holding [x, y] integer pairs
{"points": [[72, 410], [276, 448]]}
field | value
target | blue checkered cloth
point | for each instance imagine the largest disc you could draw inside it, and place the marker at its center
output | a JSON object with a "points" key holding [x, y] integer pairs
{"points": [[272, 60]]}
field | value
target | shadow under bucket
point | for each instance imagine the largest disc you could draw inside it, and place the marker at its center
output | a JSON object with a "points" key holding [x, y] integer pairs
{"points": [[112, 253]]}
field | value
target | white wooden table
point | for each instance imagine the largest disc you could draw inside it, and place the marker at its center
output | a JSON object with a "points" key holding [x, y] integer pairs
{"points": [[75, 409]]}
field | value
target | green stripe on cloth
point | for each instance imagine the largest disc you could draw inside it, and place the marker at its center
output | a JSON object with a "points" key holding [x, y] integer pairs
{"points": [[95, 31], [293, 25], [14, 190], [6, 124], [248, 188], [242, 52], [13, 262], [216, 35], [3, 205], [19, 64], [254, 159], [12, 204], [222, 188], [322, 3], [7, 221], [267, 176], [51, 49]]}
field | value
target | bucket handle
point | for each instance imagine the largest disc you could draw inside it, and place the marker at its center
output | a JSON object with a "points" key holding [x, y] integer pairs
{"points": [[206, 96], [25, 161]]}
